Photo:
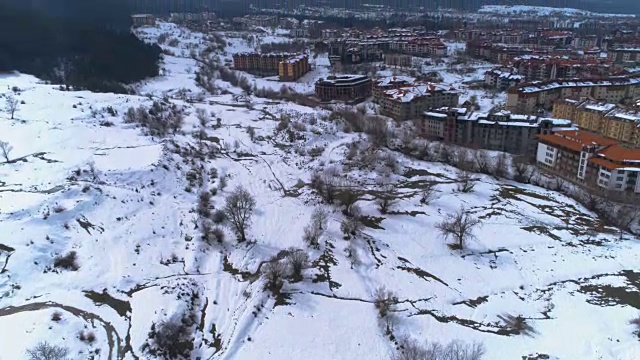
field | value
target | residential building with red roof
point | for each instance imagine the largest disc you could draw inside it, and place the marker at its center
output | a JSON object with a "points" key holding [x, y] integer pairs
{"points": [[592, 160]]}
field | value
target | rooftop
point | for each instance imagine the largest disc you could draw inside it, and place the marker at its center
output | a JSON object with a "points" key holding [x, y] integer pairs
{"points": [[385, 81], [343, 80], [410, 93], [576, 140]]}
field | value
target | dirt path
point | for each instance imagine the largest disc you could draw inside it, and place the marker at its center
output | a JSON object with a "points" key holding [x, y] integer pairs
{"points": [[116, 350]]}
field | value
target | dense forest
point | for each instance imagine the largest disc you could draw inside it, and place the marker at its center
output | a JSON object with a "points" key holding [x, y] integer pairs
{"points": [[86, 44]]}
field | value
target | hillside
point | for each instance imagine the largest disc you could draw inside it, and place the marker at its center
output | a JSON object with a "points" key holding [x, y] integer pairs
{"points": [[82, 179]]}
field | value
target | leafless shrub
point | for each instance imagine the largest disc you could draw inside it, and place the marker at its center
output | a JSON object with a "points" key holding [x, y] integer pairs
{"points": [[459, 226], [56, 316], [46, 351], [251, 131], [160, 119], [455, 350], [87, 336], [385, 203], [636, 323], [67, 262], [172, 338], [517, 323], [298, 260], [239, 209], [58, 209], [427, 193], [204, 204], [219, 216], [465, 182], [385, 302]]}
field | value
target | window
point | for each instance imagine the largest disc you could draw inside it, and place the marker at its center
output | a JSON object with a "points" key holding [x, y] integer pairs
{"points": [[620, 178], [618, 186]]}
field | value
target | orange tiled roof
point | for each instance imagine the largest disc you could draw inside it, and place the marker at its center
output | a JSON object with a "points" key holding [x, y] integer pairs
{"points": [[575, 140], [621, 154], [605, 163]]}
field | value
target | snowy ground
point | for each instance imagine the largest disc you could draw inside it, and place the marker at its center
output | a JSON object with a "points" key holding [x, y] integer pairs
{"points": [[122, 202], [541, 11]]}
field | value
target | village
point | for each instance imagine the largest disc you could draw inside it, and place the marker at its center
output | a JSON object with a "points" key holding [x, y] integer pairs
{"points": [[531, 88]]}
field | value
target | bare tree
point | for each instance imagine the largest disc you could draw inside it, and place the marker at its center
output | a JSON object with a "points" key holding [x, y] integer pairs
{"points": [[446, 154], [316, 227], [11, 105], [348, 197], [463, 159], [455, 350], [459, 226], [589, 199], [351, 225], [465, 182], [624, 218], [482, 163], [558, 184], [326, 184], [523, 170], [46, 351], [6, 148], [298, 261], [239, 208], [202, 116], [274, 274], [501, 168]]}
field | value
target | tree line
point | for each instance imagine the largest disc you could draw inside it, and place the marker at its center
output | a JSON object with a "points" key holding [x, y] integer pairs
{"points": [[87, 48]]}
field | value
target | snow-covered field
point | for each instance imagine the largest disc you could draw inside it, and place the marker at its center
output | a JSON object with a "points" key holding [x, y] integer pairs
{"points": [[82, 180]]}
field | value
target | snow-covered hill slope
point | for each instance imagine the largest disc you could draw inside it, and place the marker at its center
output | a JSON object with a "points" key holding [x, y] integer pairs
{"points": [[81, 179], [542, 11]]}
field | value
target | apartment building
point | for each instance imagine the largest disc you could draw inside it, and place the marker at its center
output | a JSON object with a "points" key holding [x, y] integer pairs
{"points": [[383, 84], [625, 55], [595, 161], [500, 131], [289, 67], [540, 68], [398, 60], [411, 102], [427, 46], [293, 68], [502, 79], [143, 20], [602, 118], [530, 97], [350, 88]]}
